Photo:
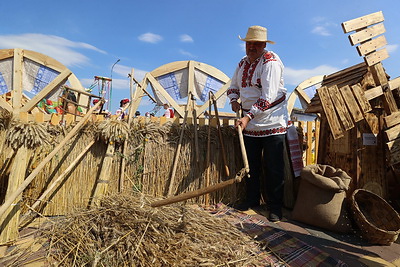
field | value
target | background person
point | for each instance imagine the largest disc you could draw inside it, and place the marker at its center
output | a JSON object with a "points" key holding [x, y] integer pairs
{"points": [[258, 83]]}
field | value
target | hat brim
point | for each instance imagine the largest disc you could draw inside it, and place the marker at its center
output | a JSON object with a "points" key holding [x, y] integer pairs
{"points": [[256, 40]]}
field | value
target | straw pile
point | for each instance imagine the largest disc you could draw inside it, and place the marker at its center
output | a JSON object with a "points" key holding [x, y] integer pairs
{"points": [[125, 231]]}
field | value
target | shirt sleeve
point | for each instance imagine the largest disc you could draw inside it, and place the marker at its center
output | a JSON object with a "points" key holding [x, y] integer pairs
{"points": [[270, 82], [233, 91]]}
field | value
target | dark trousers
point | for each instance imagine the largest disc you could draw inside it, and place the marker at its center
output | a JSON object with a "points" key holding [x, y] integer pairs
{"points": [[266, 153]]}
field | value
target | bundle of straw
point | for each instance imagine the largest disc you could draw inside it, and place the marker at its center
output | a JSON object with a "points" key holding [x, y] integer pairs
{"points": [[125, 231]]}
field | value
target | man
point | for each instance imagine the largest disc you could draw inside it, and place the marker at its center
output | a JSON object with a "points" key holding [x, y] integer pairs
{"points": [[169, 112], [122, 110], [258, 84]]}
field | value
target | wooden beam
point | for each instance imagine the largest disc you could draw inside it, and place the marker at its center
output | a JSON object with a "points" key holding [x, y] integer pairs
{"points": [[217, 95], [376, 57], [373, 92], [54, 84], [351, 103], [17, 81], [329, 111], [6, 53], [210, 70], [44, 60], [157, 86], [168, 68], [4, 104], [362, 22], [366, 34], [370, 46]]}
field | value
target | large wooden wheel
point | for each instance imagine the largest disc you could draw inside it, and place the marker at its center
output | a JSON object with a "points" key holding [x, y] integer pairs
{"points": [[304, 92], [24, 71], [178, 80]]}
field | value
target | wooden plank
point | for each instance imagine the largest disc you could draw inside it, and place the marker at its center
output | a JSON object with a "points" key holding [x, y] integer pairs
{"points": [[394, 83], [392, 119], [370, 46], [340, 107], [394, 158], [376, 57], [362, 22], [366, 34], [351, 103], [329, 110], [389, 103], [378, 91], [6, 53], [373, 93], [392, 133], [362, 101]]}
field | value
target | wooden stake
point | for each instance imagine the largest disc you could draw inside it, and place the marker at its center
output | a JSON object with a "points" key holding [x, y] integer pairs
{"points": [[221, 140], [29, 179], [178, 151]]}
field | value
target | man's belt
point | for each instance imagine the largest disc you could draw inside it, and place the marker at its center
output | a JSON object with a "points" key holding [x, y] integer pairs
{"points": [[276, 102]]}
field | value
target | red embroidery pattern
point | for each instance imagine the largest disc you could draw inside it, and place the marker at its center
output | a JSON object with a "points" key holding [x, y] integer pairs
{"points": [[263, 104], [266, 132], [233, 91], [248, 72], [251, 115], [269, 57]]}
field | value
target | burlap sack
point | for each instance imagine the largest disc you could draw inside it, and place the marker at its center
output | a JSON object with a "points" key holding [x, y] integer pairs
{"points": [[321, 198]]}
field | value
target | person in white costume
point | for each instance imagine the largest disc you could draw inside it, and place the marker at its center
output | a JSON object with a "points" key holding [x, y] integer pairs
{"points": [[257, 90]]}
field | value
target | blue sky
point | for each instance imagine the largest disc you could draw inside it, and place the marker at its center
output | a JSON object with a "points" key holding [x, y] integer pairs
{"points": [[90, 36]]}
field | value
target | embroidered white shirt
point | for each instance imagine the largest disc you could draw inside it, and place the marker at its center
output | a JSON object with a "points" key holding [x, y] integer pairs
{"points": [[260, 87]]}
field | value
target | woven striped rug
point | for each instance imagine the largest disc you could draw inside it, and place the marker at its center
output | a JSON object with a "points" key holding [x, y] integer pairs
{"points": [[278, 248]]}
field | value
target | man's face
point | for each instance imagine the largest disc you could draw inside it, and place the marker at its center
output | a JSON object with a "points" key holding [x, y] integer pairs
{"points": [[254, 49]]}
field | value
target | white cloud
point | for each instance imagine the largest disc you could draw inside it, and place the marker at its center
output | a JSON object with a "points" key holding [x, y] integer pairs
{"points": [[321, 30], [322, 26], [186, 38], [185, 53], [53, 46], [295, 77], [391, 48], [150, 38], [123, 71]]}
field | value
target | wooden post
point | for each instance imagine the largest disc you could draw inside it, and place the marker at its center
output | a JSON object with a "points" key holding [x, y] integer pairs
{"points": [[104, 177], [8, 202], [10, 217]]}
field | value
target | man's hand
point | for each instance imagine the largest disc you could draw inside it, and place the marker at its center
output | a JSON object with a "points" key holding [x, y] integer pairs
{"points": [[243, 122], [235, 106]]}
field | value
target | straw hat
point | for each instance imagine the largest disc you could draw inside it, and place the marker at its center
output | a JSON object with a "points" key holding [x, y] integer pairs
{"points": [[256, 34]]}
